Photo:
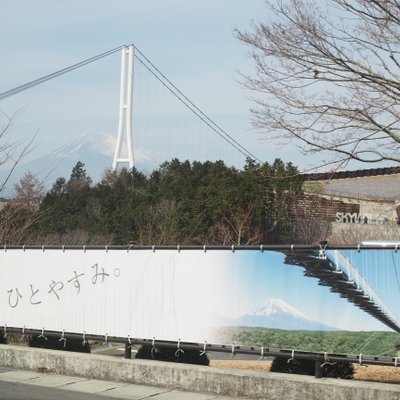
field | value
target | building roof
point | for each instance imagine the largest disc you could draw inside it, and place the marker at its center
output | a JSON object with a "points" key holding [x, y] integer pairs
{"points": [[359, 173], [386, 187]]}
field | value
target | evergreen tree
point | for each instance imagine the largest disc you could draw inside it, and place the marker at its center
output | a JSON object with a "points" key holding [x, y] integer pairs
{"points": [[180, 202]]}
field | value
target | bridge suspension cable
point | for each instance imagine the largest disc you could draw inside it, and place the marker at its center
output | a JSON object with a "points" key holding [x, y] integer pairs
{"points": [[56, 74], [159, 76], [191, 106]]}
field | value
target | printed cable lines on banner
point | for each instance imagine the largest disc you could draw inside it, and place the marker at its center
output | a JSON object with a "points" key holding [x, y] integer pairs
{"points": [[395, 269]]}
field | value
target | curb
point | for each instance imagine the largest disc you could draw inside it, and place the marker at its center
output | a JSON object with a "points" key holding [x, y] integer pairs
{"points": [[239, 383]]}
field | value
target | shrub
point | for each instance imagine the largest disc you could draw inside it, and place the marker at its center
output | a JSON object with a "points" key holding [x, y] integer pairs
{"points": [[172, 355], [3, 339], [54, 343], [343, 370]]}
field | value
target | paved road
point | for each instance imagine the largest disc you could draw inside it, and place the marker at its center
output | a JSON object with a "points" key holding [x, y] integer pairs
{"points": [[118, 350], [30, 385], [18, 391]]}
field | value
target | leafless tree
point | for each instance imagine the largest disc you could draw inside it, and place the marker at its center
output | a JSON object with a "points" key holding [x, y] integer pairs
{"points": [[17, 216], [20, 214], [328, 75], [310, 228], [353, 234], [11, 152], [159, 225], [236, 228], [29, 191], [73, 237], [15, 221]]}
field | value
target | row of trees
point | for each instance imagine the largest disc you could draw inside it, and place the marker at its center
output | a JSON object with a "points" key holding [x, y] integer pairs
{"points": [[180, 202]]}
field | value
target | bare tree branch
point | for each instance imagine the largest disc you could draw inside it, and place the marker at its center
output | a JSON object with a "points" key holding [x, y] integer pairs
{"points": [[11, 152], [329, 77]]}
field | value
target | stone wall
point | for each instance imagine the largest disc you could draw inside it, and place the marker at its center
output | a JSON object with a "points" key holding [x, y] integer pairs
{"points": [[314, 206]]}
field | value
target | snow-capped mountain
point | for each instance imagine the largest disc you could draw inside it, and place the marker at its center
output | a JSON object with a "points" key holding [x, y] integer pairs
{"points": [[277, 314], [95, 150], [99, 143]]}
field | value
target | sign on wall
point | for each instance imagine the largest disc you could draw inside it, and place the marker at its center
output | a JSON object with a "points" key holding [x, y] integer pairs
{"points": [[264, 298]]}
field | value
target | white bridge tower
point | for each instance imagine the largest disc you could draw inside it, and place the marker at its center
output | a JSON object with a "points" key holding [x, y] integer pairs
{"points": [[125, 110]]}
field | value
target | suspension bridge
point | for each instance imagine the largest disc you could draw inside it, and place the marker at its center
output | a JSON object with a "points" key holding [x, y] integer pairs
{"points": [[333, 269], [148, 102]]}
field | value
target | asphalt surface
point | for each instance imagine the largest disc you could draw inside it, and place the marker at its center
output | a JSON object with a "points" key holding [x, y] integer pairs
{"points": [[19, 391], [117, 350], [30, 385]]}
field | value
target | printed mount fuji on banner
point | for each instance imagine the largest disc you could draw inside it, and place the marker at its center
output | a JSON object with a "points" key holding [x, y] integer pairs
{"points": [[277, 314]]}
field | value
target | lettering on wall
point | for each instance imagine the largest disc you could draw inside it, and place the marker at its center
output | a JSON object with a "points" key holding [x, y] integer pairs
{"points": [[350, 218]]}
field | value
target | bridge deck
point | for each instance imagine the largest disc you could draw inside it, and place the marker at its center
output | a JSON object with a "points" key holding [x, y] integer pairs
{"points": [[331, 274]]}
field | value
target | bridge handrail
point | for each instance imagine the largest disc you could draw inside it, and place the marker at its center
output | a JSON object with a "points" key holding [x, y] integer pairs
{"points": [[344, 264]]}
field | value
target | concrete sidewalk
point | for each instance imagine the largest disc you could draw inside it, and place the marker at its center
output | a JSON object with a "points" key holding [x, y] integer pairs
{"points": [[107, 389], [166, 380]]}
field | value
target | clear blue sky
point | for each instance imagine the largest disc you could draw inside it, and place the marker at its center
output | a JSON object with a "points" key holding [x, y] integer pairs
{"points": [[255, 277], [192, 42]]}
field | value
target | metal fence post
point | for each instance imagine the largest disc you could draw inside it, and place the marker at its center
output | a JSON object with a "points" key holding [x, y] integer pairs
{"points": [[128, 351], [318, 369]]}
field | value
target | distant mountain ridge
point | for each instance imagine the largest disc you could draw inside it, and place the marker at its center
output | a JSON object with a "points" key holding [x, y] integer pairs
{"points": [[99, 143], [95, 150], [277, 314]]}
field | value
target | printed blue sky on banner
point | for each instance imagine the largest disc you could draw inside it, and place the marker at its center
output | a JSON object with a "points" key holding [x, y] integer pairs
{"points": [[260, 277], [381, 269]]}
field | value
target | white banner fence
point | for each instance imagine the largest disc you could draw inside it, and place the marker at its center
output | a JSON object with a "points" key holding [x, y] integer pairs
{"points": [[198, 296]]}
